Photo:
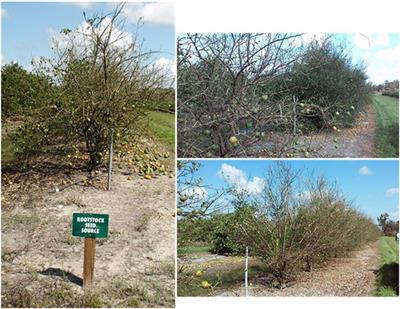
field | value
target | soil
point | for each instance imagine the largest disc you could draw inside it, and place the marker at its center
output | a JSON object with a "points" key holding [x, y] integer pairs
{"points": [[350, 276], [355, 142], [139, 254]]}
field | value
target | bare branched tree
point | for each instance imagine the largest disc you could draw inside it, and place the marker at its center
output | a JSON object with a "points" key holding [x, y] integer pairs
{"points": [[196, 199], [105, 79], [221, 109]]}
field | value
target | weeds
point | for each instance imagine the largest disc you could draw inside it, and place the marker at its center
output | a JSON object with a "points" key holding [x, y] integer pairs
{"points": [[143, 223]]}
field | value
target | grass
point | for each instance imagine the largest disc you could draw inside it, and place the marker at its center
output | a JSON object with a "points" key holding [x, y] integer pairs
{"points": [[222, 279], [387, 126], [54, 293], [388, 275], [193, 249], [162, 125]]}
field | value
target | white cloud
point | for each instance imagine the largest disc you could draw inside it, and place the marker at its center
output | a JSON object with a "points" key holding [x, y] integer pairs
{"points": [[161, 13], [238, 180], [388, 54], [81, 4], [167, 67], [82, 38], [365, 171], [195, 193], [369, 40], [305, 195], [381, 39], [392, 192], [362, 41], [164, 63], [3, 12], [383, 64]]}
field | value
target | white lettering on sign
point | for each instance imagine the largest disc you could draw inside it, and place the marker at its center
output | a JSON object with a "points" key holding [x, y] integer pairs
{"points": [[93, 225], [89, 230], [90, 219]]}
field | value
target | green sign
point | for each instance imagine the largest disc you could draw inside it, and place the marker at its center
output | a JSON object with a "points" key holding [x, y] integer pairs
{"points": [[90, 225]]}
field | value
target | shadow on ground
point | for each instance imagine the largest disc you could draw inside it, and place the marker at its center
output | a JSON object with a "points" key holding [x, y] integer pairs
{"points": [[388, 276], [63, 274]]}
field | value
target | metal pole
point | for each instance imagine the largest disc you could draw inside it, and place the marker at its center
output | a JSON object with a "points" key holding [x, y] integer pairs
{"points": [[246, 271], [110, 160]]}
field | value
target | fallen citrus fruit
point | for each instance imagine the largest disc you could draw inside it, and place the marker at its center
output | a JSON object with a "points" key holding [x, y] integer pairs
{"points": [[205, 285]]}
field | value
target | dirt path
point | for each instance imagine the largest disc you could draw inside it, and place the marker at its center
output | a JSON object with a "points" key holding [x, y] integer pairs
{"points": [[135, 265], [352, 276], [355, 142]]}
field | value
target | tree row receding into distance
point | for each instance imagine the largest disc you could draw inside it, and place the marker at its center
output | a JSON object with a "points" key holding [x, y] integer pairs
{"points": [[296, 223], [236, 90]]}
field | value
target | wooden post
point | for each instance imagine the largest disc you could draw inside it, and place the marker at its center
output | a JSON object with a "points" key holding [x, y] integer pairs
{"points": [[246, 270], [88, 262], [110, 160]]}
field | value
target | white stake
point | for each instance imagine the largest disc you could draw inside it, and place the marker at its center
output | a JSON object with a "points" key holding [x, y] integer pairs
{"points": [[246, 270], [110, 159], [294, 116]]}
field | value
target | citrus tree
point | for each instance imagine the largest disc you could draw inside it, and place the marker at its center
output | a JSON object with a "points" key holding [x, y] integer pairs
{"points": [[235, 90], [22, 91], [221, 111], [105, 80]]}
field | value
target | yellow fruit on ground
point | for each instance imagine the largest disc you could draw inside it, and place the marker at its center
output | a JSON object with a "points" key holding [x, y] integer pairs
{"points": [[129, 178], [199, 273], [205, 285], [148, 177]]}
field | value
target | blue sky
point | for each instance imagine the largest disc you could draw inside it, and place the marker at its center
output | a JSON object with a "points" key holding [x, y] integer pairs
{"points": [[379, 51], [371, 184], [27, 28]]}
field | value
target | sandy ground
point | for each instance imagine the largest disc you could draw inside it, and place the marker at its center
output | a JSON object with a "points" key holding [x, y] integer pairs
{"points": [[351, 276], [355, 142], [139, 254]]}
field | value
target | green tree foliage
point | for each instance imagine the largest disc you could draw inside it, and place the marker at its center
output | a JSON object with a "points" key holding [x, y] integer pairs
{"points": [[330, 87], [389, 227], [22, 91]]}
